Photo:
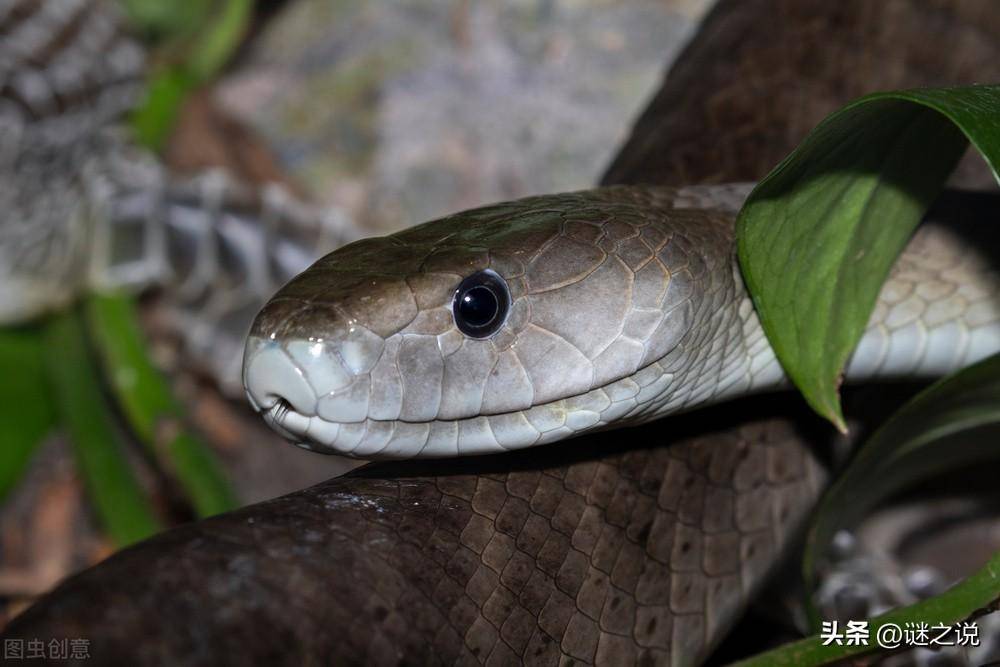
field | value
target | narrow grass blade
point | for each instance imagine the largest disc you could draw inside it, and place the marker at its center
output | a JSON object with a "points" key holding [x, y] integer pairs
{"points": [[964, 601], [953, 423], [26, 409], [149, 405], [162, 20], [195, 44], [121, 506]]}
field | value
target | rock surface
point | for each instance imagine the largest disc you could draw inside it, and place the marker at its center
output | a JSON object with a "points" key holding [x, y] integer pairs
{"points": [[402, 112]]}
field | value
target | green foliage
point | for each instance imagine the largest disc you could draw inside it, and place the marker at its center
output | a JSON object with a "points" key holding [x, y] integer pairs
{"points": [[88, 417], [816, 240], [194, 40], [51, 376], [148, 404], [818, 236], [27, 413], [152, 122], [962, 601], [159, 20], [955, 422]]}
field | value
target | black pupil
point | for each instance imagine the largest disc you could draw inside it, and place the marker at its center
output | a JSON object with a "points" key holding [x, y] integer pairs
{"points": [[478, 306]]}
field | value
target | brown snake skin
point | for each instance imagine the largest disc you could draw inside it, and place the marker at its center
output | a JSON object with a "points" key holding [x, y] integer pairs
{"points": [[581, 552], [761, 73], [616, 558]]}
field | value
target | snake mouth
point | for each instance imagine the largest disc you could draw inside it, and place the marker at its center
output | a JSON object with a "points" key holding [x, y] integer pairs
{"points": [[279, 390], [289, 424], [278, 386], [371, 439]]}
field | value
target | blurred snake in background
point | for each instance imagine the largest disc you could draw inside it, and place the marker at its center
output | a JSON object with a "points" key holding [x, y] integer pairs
{"points": [[83, 209], [496, 329]]}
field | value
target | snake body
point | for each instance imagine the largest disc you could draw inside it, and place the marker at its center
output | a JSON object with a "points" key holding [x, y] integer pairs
{"points": [[626, 305], [582, 551]]}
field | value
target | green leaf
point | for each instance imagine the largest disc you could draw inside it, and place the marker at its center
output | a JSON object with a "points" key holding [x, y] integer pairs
{"points": [[27, 413], [152, 122], [953, 423], [194, 465], [121, 506], [818, 236], [149, 406], [961, 602], [198, 41], [166, 20], [223, 33]]}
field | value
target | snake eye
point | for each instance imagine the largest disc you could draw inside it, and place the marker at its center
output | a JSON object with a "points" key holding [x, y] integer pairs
{"points": [[481, 303]]}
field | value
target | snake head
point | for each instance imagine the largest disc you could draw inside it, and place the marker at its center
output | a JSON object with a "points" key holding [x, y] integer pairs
{"points": [[492, 329]]}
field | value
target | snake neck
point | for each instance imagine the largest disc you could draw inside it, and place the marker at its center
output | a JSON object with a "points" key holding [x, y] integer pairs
{"points": [[936, 313], [727, 355]]}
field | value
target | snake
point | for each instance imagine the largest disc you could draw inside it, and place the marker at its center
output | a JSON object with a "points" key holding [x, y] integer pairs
{"points": [[591, 549], [527, 322]]}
